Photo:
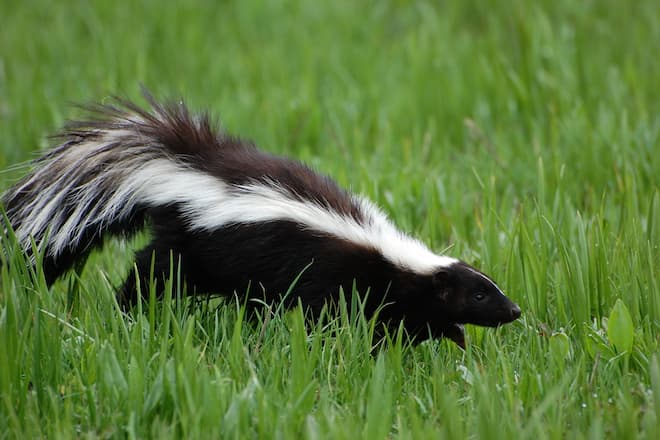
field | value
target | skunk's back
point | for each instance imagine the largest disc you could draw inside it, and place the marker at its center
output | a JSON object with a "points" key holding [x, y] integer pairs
{"points": [[113, 168]]}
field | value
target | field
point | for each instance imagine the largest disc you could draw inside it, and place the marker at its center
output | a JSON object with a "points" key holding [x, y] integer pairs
{"points": [[522, 137]]}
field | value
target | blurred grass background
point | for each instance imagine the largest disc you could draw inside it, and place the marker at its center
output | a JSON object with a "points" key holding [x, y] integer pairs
{"points": [[520, 136]]}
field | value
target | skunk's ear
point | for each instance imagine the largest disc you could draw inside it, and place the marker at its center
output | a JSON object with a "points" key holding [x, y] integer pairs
{"points": [[441, 278], [442, 283]]}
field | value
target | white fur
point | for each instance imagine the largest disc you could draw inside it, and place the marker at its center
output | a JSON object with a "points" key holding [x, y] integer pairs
{"points": [[476, 272], [206, 202], [258, 203]]}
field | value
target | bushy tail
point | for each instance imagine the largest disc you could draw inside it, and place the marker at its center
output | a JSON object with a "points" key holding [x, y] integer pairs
{"points": [[104, 177]]}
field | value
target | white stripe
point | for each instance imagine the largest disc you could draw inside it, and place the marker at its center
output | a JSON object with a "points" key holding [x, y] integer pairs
{"points": [[486, 278], [207, 203], [258, 203], [215, 204]]}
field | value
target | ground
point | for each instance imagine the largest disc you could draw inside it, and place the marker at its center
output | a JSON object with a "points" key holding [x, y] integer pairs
{"points": [[522, 137]]}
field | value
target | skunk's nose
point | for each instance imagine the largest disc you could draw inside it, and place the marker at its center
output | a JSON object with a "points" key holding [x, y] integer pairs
{"points": [[515, 312]]}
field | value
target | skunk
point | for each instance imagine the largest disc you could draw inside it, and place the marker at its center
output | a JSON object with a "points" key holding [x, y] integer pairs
{"points": [[238, 221]]}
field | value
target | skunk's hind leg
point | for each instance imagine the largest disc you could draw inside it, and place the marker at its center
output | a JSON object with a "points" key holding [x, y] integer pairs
{"points": [[153, 266]]}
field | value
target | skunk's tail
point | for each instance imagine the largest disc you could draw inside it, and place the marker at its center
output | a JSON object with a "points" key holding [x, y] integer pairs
{"points": [[107, 173]]}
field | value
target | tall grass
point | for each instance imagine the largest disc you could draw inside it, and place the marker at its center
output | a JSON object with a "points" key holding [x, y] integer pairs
{"points": [[520, 136]]}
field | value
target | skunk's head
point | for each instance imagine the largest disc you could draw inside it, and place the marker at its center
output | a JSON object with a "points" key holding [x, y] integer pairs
{"points": [[463, 295], [470, 297]]}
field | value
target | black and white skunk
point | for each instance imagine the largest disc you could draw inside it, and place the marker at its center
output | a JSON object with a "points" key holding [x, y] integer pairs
{"points": [[238, 221]]}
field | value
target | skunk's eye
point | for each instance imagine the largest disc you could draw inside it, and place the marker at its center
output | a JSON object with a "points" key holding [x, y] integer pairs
{"points": [[479, 296]]}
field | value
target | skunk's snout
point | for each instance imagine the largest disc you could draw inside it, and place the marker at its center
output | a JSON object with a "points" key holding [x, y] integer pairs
{"points": [[509, 313], [515, 312]]}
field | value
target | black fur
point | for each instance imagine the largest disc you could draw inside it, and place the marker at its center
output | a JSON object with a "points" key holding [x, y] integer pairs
{"points": [[258, 259], [262, 260]]}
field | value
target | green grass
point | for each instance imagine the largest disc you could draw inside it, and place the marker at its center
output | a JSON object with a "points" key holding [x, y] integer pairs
{"points": [[523, 137]]}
